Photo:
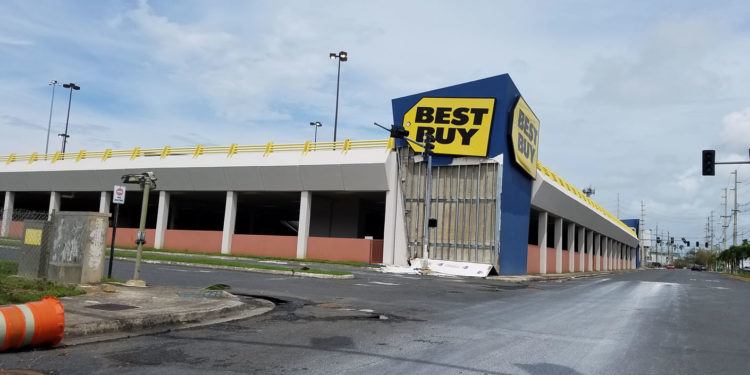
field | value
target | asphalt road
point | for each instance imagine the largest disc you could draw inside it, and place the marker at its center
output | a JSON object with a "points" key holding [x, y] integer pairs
{"points": [[647, 322]]}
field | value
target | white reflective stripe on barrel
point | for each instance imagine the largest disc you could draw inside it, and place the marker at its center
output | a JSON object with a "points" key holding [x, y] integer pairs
{"points": [[29, 318], [2, 329]]}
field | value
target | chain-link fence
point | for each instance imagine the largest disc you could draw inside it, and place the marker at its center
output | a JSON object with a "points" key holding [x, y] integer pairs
{"points": [[24, 239], [66, 247]]}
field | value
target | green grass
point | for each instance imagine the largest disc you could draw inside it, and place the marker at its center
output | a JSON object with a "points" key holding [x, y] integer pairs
{"points": [[197, 259], [14, 289], [258, 257], [9, 241]]}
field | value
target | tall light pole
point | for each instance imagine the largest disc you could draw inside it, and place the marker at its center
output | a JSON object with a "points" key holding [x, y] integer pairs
{"points": [[72, 86], [54, 84], [316, 124], [341, 56]]}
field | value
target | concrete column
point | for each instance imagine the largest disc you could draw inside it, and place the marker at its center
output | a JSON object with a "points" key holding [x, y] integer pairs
{"points": [[10, 198], [571, 247], [597, 249], [627, 257], [581, 247], [558, 244], [542, 237], [104, 199], [590, 249], [633, 263], [605, 255], [162, 218], [618, 259], [303, 231], [230, 217], [616, 247], [391, 210], [54, 202], [629, 253]]}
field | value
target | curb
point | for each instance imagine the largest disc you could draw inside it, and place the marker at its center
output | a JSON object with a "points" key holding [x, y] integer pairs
{"points": [[250, 258], [735, 277], [559, 276], [231, 268], [119, 328]]}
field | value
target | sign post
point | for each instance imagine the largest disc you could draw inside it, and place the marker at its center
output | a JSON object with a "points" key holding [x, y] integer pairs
{"points": [[118, 198]]}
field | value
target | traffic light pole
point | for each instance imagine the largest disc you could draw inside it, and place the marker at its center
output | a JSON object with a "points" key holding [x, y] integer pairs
{"points": [[398, 132], [427, 208]]}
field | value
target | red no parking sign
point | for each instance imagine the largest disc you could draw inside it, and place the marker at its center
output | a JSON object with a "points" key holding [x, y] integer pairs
{"points": [[119, 194]]}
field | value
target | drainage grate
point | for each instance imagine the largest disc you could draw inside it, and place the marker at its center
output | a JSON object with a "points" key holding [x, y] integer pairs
{"points": [[111, 307]]}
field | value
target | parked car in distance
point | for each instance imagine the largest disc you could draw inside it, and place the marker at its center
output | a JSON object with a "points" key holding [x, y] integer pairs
{"points": [[670, 266], [696, 267]]}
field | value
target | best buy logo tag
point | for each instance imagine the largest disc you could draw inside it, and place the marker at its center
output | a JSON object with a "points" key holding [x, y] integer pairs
{"points": [[525, 137], [461, 126]]}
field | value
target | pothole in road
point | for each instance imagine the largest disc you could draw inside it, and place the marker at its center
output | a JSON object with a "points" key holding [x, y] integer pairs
{"points": [[292, 310]]}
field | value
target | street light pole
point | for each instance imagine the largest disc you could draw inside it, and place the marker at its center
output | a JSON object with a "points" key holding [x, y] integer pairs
{"points": [[72, 86], [52, 83], [316, 124], [341, 56], [147, 181]]}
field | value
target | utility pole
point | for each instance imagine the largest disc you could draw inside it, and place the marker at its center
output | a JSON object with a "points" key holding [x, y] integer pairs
{"points": [[618, 205], [708, 236], [724, 222], [711, 231], [656, 244], [640, 235], [669, 245], [735, 211]]}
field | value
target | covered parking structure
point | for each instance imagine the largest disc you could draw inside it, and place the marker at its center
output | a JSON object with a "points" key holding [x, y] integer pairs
{"points": [[288, 201]]}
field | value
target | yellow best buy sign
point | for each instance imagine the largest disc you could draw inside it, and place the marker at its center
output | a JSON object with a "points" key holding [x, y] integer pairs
{"points": [[461, 126], [525, 137]]}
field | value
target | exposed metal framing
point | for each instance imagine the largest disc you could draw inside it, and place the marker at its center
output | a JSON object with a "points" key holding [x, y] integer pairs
{"points": [[464, 200]]}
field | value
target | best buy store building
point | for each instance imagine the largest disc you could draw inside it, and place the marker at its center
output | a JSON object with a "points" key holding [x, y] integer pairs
{"points": [[494, 202]]}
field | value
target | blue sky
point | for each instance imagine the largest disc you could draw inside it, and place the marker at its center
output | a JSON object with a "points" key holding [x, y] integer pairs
{"points": [[628, 92]]}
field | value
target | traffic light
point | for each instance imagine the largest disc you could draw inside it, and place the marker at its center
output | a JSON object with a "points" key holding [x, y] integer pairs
{"points": [[706, 245], [709, 162], [658, 239], [398, 132], [671, 240], [429, 143], [697, 244]]}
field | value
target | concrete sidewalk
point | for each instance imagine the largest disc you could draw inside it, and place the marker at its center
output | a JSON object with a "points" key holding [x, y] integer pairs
{"points": [[108, 311]]}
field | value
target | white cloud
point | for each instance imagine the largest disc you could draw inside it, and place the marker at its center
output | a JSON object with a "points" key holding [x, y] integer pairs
{"points": [[665, 68], [12, 41], [735, 132]]}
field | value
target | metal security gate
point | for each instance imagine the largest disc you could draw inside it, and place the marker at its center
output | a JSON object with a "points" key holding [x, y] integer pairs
{"points": [[464, 202]]}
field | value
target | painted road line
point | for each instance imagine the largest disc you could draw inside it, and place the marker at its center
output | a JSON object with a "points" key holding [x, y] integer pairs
{"points": [[382, 283]]}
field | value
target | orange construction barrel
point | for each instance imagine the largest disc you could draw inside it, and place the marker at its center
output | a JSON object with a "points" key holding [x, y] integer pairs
{"points": [[39, 323]]}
